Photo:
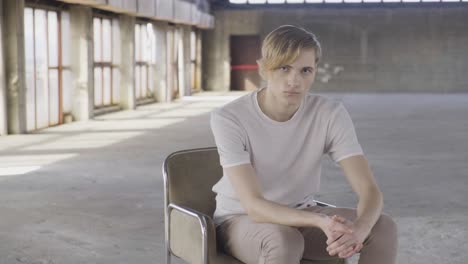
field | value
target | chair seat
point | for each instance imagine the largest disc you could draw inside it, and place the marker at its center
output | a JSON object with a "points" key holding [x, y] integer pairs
{"points": [[226, 259]]}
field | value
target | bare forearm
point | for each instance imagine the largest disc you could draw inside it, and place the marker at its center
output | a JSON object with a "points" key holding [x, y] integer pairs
{"points": [[359, 174], [369, 209], [265, 211]]}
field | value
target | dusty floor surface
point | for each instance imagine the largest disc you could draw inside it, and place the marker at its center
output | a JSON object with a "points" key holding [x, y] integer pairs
{"points": [[91, 192]]}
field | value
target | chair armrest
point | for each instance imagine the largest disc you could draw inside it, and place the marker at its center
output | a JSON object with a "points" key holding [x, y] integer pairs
{"points": [[319, 203], [191, 234]]}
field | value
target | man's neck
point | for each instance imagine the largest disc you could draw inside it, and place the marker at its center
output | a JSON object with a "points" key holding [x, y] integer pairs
{"points": [[274, 109]]}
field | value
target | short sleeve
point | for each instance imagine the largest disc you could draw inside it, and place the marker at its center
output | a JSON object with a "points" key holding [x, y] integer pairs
{"points": [[230, 139], [341, 140]]}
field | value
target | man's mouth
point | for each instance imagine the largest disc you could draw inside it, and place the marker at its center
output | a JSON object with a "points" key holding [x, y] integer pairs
{"points": [[291, 93]]}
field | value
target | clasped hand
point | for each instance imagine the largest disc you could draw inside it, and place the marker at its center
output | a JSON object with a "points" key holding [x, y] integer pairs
{"points": [[344, 238]]}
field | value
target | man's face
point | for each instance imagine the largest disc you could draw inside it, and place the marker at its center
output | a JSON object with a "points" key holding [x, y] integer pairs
{"points": [[289, 83]]}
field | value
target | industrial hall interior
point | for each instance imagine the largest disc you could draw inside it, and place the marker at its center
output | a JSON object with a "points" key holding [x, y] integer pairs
{"points": [[107, 144]]}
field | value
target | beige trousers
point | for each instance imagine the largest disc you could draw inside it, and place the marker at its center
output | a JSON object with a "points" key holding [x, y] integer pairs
{"points": [[265, 243]]}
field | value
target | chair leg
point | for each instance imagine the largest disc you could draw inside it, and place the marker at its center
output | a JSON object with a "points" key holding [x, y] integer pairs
{"points": [[168, 256]]}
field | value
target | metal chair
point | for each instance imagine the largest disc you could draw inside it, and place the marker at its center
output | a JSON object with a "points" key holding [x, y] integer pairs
{"points": [[189, 204]]}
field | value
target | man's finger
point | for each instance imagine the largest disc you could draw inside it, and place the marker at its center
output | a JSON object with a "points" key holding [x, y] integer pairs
{"points": [[333, 237], [354, 250], [359, 247], [339, 227], [344, 249], [340, 244], [347, 253]]}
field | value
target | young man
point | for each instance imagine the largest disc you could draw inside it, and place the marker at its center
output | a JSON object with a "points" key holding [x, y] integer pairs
{"points": [[271, 144]]}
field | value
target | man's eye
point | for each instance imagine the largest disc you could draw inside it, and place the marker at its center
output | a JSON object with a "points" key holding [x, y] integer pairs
{"points": [[307, 70], [284, 68]]}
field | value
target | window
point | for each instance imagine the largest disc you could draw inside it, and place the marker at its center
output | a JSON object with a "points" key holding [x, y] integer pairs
{"points": [[106, 33], [145, 54], [47, 61]]}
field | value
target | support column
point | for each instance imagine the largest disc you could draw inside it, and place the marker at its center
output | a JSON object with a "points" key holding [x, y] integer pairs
{"points": [[160, 76], [127, 63], [81, 22], [186, 60], [199, 62], [179, 45], [3, 94], [13, 18]]}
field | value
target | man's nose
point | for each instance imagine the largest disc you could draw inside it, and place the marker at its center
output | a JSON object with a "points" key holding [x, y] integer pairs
{"points": [[293, 79]]}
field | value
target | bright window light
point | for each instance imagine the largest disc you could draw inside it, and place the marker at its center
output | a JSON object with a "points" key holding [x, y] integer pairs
{"points": [[314, 1], [276, 1], [352, 1], [10, 171], [257, 1], [391, 1], [410, 1], [22, 164], [450, 0], [87, 140], [333, 1], [430, 0], [297, 1], [372, 1], [238, 1]]}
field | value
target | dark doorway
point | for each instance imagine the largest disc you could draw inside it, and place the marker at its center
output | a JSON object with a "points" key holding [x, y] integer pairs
{"points": [[245, 51]]}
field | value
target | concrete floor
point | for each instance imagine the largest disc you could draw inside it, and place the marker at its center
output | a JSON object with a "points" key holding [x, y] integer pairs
{"points": [[91, 192]]}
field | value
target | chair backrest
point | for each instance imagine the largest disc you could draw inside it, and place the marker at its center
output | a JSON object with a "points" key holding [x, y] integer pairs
{"points": [[189, 176]]}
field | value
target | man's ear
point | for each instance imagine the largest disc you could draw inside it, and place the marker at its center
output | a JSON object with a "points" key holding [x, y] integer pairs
{"points": [[261, 70]]}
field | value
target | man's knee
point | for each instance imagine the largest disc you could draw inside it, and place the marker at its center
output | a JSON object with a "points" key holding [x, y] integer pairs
{"points": [[387, 223], [385, 228], [283, 243]]}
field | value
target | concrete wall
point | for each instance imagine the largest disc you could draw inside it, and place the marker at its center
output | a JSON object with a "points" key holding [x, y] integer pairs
{"points": [[423, 49]]}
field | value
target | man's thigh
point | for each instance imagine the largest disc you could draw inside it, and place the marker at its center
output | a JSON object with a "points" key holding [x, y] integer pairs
{"points": [[250, 242], [315, 240]]}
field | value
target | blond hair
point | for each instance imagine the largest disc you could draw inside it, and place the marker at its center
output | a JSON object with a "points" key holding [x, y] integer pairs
{"points": [[283, 45]]}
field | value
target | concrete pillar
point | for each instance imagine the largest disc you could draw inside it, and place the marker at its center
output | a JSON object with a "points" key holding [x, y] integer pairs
{"points": [[160, 76], [170, 46], [213, 46], [127, 63], [3, 108], [13, 25], [199, 62], [181, 60], [81, 23], [187, 67]]}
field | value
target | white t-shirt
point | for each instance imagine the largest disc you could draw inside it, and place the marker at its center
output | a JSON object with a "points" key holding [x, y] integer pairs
{"points": [[286, 156]]}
